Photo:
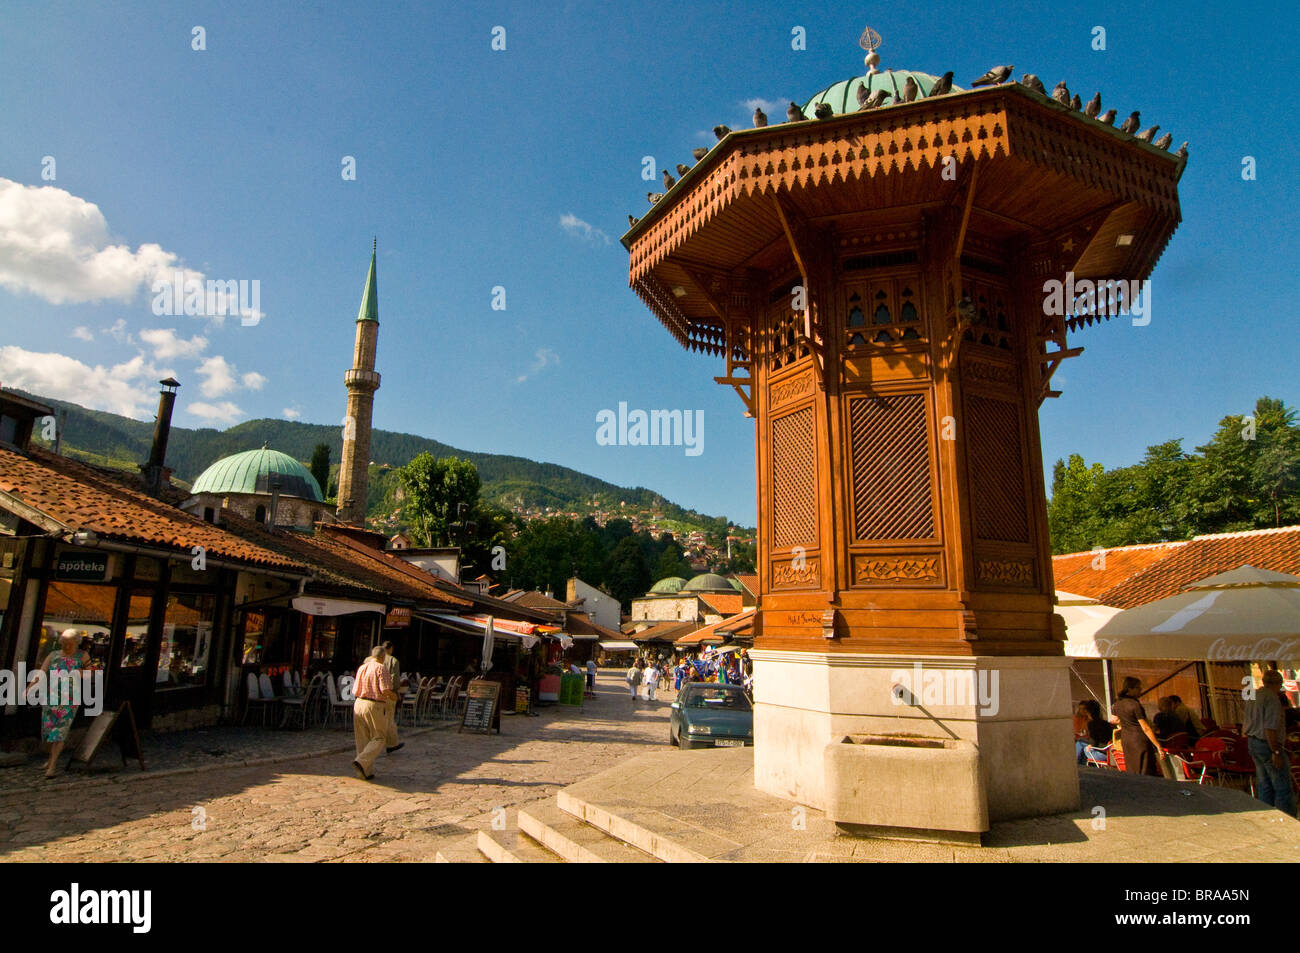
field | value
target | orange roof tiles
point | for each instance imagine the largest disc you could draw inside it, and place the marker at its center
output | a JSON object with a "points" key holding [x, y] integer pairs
{"points": [[1094, 573], [740, 624], [81, 497], [724, 603]]}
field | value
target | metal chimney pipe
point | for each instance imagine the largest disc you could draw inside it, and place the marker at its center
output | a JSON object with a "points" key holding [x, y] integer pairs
{"points": [[155, 471]]}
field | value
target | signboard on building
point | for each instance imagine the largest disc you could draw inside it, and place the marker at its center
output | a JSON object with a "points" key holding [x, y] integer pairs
{"points": [[482, 706], [81, 567], [399, 617]]}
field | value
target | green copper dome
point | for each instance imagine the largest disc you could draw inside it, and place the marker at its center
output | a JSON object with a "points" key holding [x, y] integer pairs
{"points": [[708, 582], [251, 472], [843, 96], [669, 585]]}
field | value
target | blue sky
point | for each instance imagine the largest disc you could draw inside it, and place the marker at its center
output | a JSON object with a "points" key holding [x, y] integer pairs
{"points": [[227, 161]]}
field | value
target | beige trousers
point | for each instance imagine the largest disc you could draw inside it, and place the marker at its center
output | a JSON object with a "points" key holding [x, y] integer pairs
{"points": [[370, 729]]}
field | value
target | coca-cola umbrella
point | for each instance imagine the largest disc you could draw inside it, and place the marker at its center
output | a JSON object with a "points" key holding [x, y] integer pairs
{"points": [[1245, 615]]}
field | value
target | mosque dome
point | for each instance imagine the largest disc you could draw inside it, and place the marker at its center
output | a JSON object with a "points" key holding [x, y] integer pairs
{"points": [[668, 586], [708, 582], [251, 472]]}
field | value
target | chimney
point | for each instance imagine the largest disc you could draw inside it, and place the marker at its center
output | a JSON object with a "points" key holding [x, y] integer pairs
{"points": [[275, 500], [155, 471]]}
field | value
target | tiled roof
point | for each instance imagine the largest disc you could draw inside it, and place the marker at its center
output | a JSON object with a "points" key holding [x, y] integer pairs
{"points": [[749, 580], [1094, 573], [536, 600], [81, 497], [579, 623], [663, 632], [740, 624], [1275, 549], [724, 603]]}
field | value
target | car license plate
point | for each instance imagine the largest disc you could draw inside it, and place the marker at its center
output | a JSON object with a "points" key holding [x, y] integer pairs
{"points": [[729, 743]]}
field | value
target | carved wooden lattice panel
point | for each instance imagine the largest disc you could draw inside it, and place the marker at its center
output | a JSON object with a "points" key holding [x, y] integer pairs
{"points": [[891, 467], [997, 473], [794, 480]]}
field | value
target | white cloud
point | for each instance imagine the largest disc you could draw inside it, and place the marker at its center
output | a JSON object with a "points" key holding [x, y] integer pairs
{"points": [[224, 412], [57, 246], [775, 108], [253, 380], [218, 376], [118, 331], [580, 229], [291, 414], [166, 344], [83, 333], [129, 388], [544, 358]]}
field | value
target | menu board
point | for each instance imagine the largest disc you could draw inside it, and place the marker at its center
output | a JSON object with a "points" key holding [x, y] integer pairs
{"points": [[521, 701], [121, 724], [482, 707]]}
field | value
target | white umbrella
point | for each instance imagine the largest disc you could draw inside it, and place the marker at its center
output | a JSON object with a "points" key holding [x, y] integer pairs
{"points": [[1244, 615], [489, 640], [1083, 616]]}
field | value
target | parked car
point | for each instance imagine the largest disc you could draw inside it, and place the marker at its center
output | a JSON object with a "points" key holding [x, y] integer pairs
{"points": [[709, 715]]}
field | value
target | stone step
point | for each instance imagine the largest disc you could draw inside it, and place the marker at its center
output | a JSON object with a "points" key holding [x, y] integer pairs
{"points": [[630, 828], [460, 850], [514, 847], [575, 840]]}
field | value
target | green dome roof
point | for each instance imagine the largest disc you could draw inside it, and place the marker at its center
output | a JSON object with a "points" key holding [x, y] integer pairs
{"points": [[843, 96], [708, 582], [669, 585], [250, 472]]}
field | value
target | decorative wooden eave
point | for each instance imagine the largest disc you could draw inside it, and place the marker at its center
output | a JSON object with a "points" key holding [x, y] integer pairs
{"points": [[1005, 121]]}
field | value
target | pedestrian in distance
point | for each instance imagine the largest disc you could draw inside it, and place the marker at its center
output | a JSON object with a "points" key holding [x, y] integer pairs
{"points": [[651, 680], [58, 714], [1264, 725], [591, 676], [634, 679], [394, 669], [374, 687]]}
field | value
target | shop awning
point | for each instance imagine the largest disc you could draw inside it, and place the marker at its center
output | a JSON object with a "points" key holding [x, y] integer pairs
{"points": [[314, 605], [618, 645]]}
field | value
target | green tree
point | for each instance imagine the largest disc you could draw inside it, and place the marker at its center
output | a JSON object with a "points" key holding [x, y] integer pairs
{"points": [[439, 492], [320, 466], [672, 561], [629, 574]]}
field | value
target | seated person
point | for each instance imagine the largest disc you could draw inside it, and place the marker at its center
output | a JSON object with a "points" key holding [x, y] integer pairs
{"points": [[1166, 722], [1098, 731], [1191, 724]]}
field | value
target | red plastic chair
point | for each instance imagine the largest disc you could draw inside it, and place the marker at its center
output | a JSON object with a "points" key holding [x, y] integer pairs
{"points": [[1187, 770], [1097, 757], [1117, 756], [1178, 743]]}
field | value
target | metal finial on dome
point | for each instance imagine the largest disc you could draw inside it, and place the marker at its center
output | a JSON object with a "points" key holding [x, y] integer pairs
{"points": [[871, 41]]}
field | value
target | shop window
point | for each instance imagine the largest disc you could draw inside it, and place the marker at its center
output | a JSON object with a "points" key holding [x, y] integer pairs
{"points": [[85, 608], [324, 636], [136, 643], [184, 656]]}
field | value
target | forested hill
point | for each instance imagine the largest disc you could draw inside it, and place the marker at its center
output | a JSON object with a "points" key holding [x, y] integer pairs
{"points": [[508, 481]]}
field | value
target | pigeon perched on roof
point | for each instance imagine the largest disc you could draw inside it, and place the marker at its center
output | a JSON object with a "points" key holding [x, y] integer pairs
{"points": [[877, 99], [863, 94], [1030, 81], [760, 117], [910, 89], [699, 153], [654, 197], [943, 85], [794, 114], [1146, 135], [1130, 125], [632, 220], [823, 111], [669, 181], [1165, 141], [1061, 93], [994, 77], [1076, 103], [721, 132], [1093, 107], [682, 169], [1182, 151], [1107, 118]]}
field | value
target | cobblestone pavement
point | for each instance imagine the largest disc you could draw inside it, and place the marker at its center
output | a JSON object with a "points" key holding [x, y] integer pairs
{"points": [[440, 787]]}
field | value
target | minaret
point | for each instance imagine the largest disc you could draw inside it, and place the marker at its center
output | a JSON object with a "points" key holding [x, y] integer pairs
{"points": [[362, 381]]}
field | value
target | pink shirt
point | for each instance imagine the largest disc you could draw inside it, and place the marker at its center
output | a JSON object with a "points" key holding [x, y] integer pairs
{"points": [[372, 681]]}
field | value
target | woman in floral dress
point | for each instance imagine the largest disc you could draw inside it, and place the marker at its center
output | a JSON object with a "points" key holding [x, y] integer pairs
{"points": [[57, 717]]}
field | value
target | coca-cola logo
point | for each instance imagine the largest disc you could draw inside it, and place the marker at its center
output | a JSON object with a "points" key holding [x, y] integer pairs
{"points": [[1221, 650]]}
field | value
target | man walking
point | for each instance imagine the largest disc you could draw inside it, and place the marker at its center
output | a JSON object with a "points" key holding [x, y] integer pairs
{"points": [[394, 669], [369, 713], [1264, 726], [651, 680], [591, 675], [634, 679]]}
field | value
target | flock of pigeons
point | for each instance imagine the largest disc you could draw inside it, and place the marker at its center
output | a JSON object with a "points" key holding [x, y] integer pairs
{"points": [[997, 76]]}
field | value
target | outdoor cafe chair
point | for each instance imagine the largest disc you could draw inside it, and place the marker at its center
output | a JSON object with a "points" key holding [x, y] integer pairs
{"points": [[255, 699], [1186, 770], [414, 701], [290, 689], [439, 698], [1096, 757], [1178, 742], [340, 696], [302, 707]]}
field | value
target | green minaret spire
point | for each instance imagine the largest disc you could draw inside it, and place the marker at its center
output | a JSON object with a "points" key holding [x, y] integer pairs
{"points": [[369, 310]]}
